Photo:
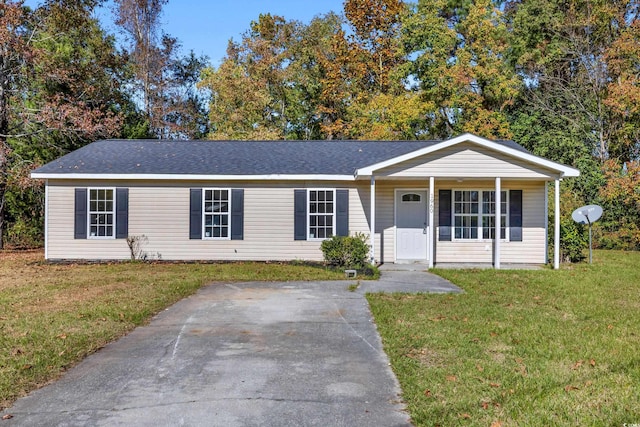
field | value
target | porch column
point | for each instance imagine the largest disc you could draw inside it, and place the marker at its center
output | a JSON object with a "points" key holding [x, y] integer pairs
{"points": [[556, 231], [498, 211], [431, 242], [373, 220], [546, 223]]}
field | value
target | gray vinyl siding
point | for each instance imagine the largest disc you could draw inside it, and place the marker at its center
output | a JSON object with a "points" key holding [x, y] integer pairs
{"points": [[161, 213], [470, 160]]}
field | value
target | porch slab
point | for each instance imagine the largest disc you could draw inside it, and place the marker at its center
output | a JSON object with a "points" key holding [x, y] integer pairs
{"points": [[503, 266]]}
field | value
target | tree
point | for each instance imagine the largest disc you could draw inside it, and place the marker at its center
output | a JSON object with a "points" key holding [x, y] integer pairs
{"points": [[269, 85], [376, 29], [577, 61], [623, 98], [15, 52], [164, 81], [185, 107], [364, 94], [620, 225], [62, 91], [140, 20], [460, 66]]}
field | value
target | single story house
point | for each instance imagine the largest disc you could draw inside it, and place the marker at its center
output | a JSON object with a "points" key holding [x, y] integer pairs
{"points": [[429, 202]]}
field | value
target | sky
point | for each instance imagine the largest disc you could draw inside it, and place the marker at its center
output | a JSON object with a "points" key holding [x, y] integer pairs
{"points": [[205, 26]]}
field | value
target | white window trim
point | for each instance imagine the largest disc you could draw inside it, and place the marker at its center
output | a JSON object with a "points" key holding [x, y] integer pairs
{"points": [[480, 215], [204, 214], [113, 212], [333, 228]]}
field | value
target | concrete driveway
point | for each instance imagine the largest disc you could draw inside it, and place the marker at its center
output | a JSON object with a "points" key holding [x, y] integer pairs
{"points": [[250, 354]]}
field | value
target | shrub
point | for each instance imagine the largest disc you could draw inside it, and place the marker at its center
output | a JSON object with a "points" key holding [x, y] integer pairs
{"points": [[346, 251], [573, 240], [25, 233]]}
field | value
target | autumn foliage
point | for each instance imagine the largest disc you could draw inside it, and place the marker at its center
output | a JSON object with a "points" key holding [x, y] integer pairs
{"points": [[559, 77]]}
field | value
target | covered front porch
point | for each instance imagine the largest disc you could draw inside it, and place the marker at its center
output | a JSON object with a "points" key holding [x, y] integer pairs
{"points": [[453, 222]]}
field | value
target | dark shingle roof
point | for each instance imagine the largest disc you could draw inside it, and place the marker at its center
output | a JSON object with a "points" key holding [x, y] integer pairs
{"points": [[232, 157]]}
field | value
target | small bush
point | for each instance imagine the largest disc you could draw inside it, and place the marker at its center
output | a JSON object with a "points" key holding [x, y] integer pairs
{"points": [[346, 251], [25, 234], [573, 240]]}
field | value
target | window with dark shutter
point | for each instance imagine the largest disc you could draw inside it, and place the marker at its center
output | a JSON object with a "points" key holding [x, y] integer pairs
{"points": [[195, 214], [80, 214], [122, 213], [342, 212], [300, 214], [444, 215], [515, 215], [237, 214]]}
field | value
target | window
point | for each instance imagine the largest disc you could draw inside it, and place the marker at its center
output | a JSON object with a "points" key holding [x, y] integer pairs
{"points": [[321, 214], [489, 214], [465, 212], [216, 214], [474, 214], [101, 213], [411, 198]]}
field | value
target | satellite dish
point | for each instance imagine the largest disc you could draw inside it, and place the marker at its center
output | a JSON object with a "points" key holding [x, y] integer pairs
{"points": [[587, 215]]}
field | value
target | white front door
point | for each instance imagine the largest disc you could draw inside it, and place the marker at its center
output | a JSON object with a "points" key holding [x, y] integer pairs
{"points": [[411, 225]]}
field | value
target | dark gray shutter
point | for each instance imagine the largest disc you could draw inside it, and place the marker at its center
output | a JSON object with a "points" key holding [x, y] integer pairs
{"points": [[80, 209], [237, 214], [300, 214], [444, 215], [122, 213], [342, 212], [515, 215], [195, 213]]}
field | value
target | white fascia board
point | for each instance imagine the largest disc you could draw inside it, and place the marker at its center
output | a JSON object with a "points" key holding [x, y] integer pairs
{"points": [[185, 177], [564, 170]]}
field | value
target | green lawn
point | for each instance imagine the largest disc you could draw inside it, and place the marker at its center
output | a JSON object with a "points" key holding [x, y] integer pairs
{"points": [[51, 316], [521, 348]]}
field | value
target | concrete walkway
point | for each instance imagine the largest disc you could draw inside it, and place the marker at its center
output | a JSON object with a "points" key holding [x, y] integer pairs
{"points": [[250, 354]]}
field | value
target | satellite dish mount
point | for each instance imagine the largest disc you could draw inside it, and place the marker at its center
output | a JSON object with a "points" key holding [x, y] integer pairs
{"points": [[587, 215]]}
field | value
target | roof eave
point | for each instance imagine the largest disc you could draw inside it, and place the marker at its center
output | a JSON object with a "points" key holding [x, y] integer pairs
{"points": [[190, 177]]}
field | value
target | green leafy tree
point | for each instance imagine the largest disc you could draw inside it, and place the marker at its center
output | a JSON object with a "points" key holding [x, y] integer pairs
{"points": [[577, 59], [270, 84], [365, 95], [459, 64]]}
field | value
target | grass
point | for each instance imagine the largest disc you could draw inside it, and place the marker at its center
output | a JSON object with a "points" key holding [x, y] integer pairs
{"points": [[521, 348], [53, 315]]}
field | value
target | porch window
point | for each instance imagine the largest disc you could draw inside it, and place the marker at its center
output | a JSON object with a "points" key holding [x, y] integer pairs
{"points": [[474, 214], [489, 214], [321, 214]]}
